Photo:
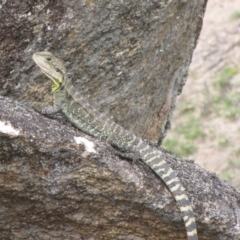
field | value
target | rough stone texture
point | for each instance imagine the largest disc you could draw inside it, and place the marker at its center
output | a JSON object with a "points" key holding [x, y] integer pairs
{"points": [[53, 188], [129, 58]]}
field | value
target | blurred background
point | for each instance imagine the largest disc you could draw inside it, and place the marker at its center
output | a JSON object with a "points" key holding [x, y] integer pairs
{"points": [[206, 122]]}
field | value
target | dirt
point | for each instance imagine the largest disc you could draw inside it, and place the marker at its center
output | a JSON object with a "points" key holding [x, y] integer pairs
{"points": [[218, 49]]}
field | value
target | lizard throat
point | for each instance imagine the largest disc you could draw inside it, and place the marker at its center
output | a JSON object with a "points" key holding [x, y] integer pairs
{"points": [[55, 86], [56, 83]]}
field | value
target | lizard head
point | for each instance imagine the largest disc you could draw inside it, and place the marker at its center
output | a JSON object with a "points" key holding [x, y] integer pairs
{"points": [[52, 68]]}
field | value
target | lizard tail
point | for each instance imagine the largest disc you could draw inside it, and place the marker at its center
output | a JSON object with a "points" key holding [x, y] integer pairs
{"points": [[154, 159]]}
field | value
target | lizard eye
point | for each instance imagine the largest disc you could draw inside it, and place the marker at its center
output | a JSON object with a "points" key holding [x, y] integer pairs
{"points": [[49, 59], [57, 70]]}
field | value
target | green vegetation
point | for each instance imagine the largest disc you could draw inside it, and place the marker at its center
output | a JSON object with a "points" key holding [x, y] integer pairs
{"points": [[192, 129], [227, 175], [237, 152], [223, 142], [224, 77], [235, 15], [180, 148], [192, 74], [231, 172], [235, 163], [188, 133], [221, 100], [227, 106], [186, 108]]}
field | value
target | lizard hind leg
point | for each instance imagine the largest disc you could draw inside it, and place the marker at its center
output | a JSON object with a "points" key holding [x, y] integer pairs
{"points": [[122, 150], [132, 156]]}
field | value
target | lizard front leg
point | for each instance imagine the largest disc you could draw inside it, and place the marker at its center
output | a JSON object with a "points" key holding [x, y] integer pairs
{"points": [[56, 107]]}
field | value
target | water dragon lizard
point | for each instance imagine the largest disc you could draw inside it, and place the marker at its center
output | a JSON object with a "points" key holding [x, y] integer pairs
{"points": [[86, 118]]}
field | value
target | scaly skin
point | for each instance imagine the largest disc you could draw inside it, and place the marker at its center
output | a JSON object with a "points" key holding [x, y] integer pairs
{"points": [[89, 120]]}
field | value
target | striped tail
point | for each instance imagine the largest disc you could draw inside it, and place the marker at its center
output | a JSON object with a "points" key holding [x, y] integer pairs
{"points": [[98, 125], [154, 159]]}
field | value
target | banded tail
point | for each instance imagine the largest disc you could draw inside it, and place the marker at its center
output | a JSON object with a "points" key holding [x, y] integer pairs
{"points": [[155, 160], [89, 120], [127, 141]]}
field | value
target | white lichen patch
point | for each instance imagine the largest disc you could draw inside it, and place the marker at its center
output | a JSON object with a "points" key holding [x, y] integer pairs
{"points": [[89, 146], [8, 129]]}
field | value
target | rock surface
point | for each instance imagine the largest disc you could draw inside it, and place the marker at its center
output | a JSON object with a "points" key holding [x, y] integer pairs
{"points": [[58, 183], [129, 59]]}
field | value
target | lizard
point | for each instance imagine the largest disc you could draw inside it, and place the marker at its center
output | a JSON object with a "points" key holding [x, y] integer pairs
{"points": [[89, 120]]}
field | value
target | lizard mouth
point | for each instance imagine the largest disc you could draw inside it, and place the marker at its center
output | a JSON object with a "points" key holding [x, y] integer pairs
{"points": [[56, 84]]}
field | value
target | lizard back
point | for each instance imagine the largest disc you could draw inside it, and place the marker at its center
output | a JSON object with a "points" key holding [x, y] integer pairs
{"points": [[126, 141], [89, 120]]}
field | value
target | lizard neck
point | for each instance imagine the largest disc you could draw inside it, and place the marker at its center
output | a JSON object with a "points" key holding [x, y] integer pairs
{"points": [[69, 87]]}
